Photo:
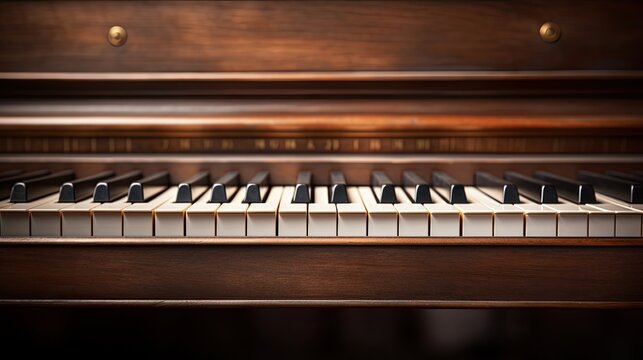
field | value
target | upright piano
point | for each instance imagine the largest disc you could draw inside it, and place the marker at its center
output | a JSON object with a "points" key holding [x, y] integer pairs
{"points": [[421, 154]]}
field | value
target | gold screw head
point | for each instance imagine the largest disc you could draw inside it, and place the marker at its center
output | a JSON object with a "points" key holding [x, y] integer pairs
{"points": [[117, 35], [550, 32]]}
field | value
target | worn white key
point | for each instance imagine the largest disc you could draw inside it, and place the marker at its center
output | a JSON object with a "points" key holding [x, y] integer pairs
{"points": [[200, 217], [138, 219], [477, 219], [508, 220], [322, 215], [169, 218], [540, 221], [572, 219], [15, 218], [231, 216], [292, 216], [628, 220], [262, 217], [77, 219], [46, 219], [351, 217], [107, 218], [413, 218], [444, 217], [382, 218]]}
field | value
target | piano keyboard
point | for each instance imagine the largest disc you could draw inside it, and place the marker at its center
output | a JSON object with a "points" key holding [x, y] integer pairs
{"points": [[44, 204]]}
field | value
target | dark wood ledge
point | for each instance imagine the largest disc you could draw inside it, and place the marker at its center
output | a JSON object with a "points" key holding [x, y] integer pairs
{"points": [[440, 272]]}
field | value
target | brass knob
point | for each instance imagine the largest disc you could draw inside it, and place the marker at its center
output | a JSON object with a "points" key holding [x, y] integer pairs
{"points": [[550, 32], [117, 35]]}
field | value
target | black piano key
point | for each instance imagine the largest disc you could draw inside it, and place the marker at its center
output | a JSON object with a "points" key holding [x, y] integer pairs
{"points": [[139, 190], [7, 182], [221, 189], [570, 189], [257, 188], [420, 193], [535, 189], [116, 187], [385, 191], [501, 190], [32, 189], [9, 173], [338, 193], [303, 188], [626, 176], [185, 189], [625, 190], [449, 188], [73, 191]]}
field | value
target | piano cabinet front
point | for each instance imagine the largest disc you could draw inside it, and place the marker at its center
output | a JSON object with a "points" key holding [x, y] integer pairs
{"points": [[397, 236]]}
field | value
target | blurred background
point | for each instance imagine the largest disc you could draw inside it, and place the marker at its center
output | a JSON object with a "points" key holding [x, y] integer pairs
{"points": [[324, 333]]}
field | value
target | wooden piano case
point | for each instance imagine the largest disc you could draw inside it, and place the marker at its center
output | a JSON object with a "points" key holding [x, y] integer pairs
{"points": [[459, 86]]}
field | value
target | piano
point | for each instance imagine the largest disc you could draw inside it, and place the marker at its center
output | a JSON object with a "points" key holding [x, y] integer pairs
{"points": [[405, 154]]}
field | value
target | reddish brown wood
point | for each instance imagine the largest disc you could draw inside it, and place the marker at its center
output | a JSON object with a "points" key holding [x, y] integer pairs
{"points": [[318, 36], [421, 275]]}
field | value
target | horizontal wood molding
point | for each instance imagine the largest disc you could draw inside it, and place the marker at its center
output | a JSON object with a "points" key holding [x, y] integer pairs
{"points": [[340, 76], [334, 241], [583, 273], [435, 304], [333, 84]]}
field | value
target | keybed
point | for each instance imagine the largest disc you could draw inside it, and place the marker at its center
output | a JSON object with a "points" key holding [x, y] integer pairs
{"points": [[278, 211]]}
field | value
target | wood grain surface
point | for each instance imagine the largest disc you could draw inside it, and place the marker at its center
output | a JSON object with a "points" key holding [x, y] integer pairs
{"points": [[213, 36], [465, 275]]}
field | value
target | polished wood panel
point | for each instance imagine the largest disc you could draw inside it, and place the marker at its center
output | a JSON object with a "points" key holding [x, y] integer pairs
{"points": [[318, 36], [405, 126], [466, 273]]}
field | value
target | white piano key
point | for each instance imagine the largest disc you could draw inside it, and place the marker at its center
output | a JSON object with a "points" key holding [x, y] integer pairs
{"points": [[292, 216], [46, 219], [444, 217], [382, 218], [477, 219], [77, 219], [508, 220], [608, 199], [231, 217], [169, 218], [413, 218], [540, 221], [262, 217], [200, 217], [322, 215], [138, 219], [600, 222], [572, 220], [628, 220], [15, 218], [351, 217], [107, 218]]}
